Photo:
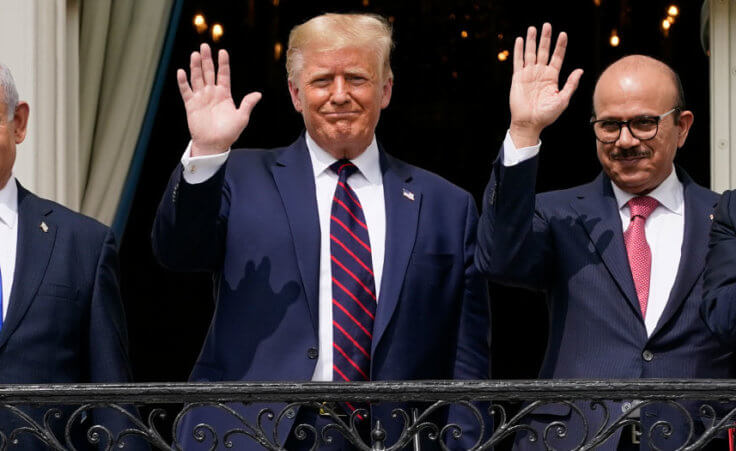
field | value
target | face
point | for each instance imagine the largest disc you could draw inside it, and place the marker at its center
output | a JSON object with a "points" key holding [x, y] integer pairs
{"points": [[12, 133], [340, 94], [637, 166]]}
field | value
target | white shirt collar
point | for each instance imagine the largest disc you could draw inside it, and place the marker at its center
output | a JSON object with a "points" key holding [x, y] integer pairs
{"points": [[9, 203], [368, 162], [669, 194]]}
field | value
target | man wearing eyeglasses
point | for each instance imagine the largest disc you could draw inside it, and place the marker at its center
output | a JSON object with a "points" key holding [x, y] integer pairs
{"points": [[621, 258]]}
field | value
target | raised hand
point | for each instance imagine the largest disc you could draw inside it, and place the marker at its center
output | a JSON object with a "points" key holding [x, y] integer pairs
{"points": [[535, 99], [214, 120]]}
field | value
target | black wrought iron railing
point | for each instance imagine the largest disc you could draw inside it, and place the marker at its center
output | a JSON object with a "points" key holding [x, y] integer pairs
{"points": [[31, 414]]}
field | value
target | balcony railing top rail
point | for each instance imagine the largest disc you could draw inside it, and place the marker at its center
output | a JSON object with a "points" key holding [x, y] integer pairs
{"points": [[400, 391]]}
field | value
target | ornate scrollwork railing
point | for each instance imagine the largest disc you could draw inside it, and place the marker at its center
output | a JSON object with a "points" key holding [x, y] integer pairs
{"points": [[49, 414]]}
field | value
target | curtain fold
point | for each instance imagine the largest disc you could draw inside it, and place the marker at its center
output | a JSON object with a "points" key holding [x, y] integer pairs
{"points": [[120, 44], [136, 165]]}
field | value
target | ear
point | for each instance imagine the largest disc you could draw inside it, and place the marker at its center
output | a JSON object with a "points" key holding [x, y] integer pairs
{"points": [[386, 92], [294, 91], [685, 122], [20, 121]]}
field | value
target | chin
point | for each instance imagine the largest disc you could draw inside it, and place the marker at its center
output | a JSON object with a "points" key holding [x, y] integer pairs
{"points": [[630, 184], [634, 188]]}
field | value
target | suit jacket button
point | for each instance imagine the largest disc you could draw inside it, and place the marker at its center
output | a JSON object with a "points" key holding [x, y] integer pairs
{"points": [[312, 353], [647, 355]]}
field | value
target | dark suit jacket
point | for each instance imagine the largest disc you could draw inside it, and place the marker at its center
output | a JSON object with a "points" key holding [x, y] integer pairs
{"points": [[570, 245], [65, 321], [255, 226], [719, 304]]}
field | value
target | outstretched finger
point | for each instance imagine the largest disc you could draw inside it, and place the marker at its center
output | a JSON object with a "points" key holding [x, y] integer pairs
{"points": [[208, 66], [545, 42], [518, 54], [530, 55], [560, 49], [571, 85], [247, 104], [195, 71], [184, 89], [223, 69]]}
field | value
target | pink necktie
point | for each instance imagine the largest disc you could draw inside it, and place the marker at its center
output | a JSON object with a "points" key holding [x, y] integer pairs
{"points": [[637, 248]]}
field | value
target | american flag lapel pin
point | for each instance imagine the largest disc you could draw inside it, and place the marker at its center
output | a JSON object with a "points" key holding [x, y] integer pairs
{"points": [[408, 194], [44, 227]]}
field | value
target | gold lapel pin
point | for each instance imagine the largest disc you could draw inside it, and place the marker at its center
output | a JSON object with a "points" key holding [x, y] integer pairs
{"points": [[44, 227]]}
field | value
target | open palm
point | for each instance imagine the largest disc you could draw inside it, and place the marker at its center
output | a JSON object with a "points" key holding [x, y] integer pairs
{"points": [[535, 99], [214, 120]]}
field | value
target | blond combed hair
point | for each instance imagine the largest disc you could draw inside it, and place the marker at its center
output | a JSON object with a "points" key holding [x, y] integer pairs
{"points": [[337, 31]]}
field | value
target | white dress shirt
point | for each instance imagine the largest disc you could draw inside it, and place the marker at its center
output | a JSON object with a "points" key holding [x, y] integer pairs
{"points": [[367, 183], [664, 230], [8, 237]]}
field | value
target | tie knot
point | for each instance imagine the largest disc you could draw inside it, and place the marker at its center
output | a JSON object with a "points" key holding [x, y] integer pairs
{"points": [[343, 168], [642, 206]]}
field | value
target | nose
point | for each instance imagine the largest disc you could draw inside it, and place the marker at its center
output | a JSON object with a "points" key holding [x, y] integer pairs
{"points": [[340, 94], [626, 139]]}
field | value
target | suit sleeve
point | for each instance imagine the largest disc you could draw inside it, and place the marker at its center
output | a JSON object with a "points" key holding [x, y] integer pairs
{"points": [[513, 242], [190, 225], [108, 341], [472, 360], [108, 336], [719, 304]]}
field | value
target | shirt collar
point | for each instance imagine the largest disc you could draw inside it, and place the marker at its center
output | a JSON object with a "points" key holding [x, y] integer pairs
{"points": [[368, 162], [669, 194], [9, 203]]}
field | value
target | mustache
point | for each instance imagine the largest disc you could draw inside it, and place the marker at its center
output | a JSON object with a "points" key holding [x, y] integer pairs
{"points": [[624, 154]]}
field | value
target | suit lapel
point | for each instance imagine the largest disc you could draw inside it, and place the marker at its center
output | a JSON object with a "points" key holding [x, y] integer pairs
{"points": [[694, 246], [294, 179], [403, 200], [32, 258], [598, 213]]}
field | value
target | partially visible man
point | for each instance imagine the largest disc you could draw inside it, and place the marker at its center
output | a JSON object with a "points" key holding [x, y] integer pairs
{"points": [[334, 261], [719, 304], [621, 258], [62, 318]]}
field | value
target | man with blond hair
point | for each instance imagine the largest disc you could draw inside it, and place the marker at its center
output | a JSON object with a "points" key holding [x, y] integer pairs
{"points": [[333, 260]]}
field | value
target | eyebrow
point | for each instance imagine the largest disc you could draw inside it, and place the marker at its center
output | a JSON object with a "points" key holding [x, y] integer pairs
{"points": [[620, 118], [319, 73]]}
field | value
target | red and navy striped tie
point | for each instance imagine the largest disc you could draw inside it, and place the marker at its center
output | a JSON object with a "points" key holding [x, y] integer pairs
{"points": [[353, 286]]}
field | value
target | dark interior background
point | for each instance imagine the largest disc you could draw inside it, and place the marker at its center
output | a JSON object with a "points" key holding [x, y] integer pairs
{"points": [[448, 114]]}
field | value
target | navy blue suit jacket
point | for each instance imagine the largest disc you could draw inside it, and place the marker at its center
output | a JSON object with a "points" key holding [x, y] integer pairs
{"points": [[569, 244], [719, 305], [255, 226], [65, 321]]}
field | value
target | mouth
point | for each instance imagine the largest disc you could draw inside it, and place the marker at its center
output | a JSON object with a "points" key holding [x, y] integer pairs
{"points": [[340, 115]]}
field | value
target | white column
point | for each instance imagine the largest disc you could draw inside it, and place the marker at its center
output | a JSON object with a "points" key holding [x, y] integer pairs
{"points": [[41, 47], [723, 94]]}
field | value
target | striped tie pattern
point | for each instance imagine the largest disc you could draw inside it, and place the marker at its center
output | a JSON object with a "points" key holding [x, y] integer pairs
{"points": [[353, 286]]}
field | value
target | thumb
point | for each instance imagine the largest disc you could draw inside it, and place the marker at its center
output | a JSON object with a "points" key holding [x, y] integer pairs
{"points": [[248, 103], [571, 85]]}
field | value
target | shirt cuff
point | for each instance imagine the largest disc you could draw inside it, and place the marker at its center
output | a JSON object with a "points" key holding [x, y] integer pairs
{"points": [[202, 168], [513, 156]]}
